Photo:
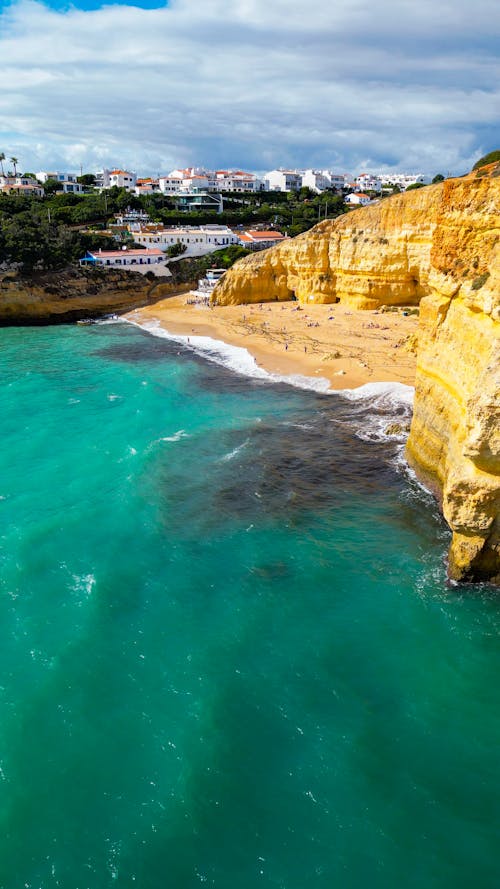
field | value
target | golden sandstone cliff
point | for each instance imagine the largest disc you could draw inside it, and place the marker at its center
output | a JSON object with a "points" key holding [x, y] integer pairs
{"points": [[60, 297], [437, 247]]}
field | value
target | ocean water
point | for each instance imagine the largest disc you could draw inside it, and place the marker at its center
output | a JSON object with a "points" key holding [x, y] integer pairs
{"points": [[229, 653]]}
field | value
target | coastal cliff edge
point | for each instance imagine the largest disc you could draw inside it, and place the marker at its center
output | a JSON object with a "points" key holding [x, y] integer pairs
{"points": [[60, 297], [436, 247]]}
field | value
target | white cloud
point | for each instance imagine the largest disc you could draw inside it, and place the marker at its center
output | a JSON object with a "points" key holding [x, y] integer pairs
{"points": [[355, 84]]}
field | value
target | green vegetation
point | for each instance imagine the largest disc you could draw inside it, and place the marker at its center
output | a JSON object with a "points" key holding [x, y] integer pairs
{"points": [[415, 185], [176, 249], [487, 159], [438, 178], [33, 237]]}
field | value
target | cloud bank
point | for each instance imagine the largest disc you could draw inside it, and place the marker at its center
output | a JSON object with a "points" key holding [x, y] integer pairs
{"points": [[353, 85]]}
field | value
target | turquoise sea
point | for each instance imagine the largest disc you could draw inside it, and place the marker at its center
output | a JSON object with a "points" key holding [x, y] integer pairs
{"points": [[229, 653]]}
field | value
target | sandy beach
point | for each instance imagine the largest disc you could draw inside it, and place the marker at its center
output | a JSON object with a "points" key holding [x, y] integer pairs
{"points": [[347, 347]]}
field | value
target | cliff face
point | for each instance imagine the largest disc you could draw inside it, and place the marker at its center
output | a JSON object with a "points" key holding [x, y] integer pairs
{"points": [[436, 246], [59, 297]]}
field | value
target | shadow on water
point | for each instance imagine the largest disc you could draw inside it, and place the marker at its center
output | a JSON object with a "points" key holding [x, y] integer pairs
{"points": [[280, 470]]}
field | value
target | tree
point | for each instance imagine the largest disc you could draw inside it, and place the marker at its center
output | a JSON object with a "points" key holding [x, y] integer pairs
{"points": [[438, 178], [14, 161], [51, 186], [306, 193], [415, 185], [86, 179]]}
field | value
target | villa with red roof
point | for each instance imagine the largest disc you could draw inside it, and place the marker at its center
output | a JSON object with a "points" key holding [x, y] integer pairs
{"points": [[259, 240]]}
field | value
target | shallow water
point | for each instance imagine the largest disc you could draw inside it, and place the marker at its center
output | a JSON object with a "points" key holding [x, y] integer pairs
{"points": [[230, 655]]}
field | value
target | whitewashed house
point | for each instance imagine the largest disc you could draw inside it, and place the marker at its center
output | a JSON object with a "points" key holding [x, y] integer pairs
{"points": [[21, 185], [358, 198], [128, 259], [259, 240], [121, 178], [147, 186], [316, 180], [368, 182], [170, 184], [403, 180], [198, 240], [237, 180], [283, 180], [68, 182]]}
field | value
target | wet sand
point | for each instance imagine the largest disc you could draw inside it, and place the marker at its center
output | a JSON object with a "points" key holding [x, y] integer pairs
{"points": [[347, 347]]}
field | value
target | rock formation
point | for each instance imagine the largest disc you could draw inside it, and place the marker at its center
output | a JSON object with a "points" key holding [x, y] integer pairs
{"points": [[437, 247], [60, 297]]}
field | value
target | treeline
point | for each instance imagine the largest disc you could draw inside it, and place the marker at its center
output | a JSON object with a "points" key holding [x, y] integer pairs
{"points": [[44, 233], [31, 239]]}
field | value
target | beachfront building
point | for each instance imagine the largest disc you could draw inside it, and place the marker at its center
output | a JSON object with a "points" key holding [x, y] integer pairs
{"points": [[358, 198], [128, 259], [67, 182], [26, 185], [198, 240], [283, 180], [259, 240]]}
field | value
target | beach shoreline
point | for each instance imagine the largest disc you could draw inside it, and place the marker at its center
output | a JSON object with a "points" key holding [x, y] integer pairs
{"points": [[347, 347]]}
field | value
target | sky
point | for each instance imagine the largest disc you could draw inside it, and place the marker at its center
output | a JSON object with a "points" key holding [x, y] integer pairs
{"points": [[348, 85]]}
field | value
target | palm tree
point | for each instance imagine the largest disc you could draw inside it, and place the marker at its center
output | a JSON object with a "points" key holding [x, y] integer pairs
{"points": [[14, 161], [2, 158]]}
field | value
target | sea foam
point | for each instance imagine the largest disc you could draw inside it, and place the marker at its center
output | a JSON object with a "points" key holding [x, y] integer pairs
{"points": [[235, 358]]}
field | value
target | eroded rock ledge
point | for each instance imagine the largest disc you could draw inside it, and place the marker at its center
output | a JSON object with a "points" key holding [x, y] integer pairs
{"points": [[437, 247], [74, 294]]}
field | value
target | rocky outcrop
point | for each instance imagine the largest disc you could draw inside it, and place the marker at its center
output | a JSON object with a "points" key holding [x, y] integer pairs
{"points": [[74, 294], [437, 247]]}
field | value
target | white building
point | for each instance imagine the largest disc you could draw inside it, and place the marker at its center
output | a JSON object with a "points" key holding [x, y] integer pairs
{"points": [[147, 186], [338, 180], [368, 182], [198, 240], [358, 198], [170, 184], [21, 185], [237, 180], [68, 182], [121, 178], [403, 180], [315, 180], [283, 180], [123, 258]]}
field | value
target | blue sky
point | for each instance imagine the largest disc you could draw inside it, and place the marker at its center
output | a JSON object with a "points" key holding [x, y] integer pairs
{"points": [[353, 85]]}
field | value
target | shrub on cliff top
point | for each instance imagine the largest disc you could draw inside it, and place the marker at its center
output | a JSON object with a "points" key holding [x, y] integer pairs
{"points": [[487, 159]]}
